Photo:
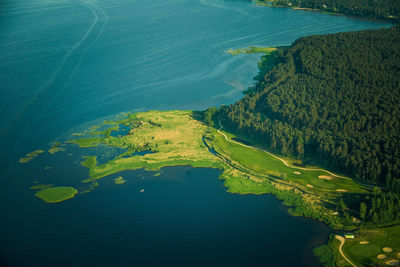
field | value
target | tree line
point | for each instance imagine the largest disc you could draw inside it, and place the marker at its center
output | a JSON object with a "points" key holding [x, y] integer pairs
{"points": [[332, 99], [380, 9]]}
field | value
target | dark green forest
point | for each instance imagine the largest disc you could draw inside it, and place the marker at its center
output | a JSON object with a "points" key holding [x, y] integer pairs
{"points": [[332, 100], [381, 9]]}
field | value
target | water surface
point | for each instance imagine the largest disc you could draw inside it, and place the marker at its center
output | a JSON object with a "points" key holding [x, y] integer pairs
{"points": [[64, 63]]}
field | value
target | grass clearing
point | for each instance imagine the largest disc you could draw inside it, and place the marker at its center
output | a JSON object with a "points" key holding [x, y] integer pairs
{"points": [[266, 164]]}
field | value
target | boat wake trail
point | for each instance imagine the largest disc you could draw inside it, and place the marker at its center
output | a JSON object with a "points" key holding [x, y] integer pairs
{"points": [[63, 73]]}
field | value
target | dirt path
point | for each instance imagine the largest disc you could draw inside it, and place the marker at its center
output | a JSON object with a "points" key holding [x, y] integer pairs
{"points": [[285, 162], [281, 159], [342, 240]]}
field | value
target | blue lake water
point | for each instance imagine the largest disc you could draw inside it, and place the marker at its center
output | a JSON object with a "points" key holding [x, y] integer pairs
{"points": [[64, 63]]}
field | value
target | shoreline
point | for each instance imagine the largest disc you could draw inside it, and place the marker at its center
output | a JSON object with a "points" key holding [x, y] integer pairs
{"points": [[392, 21]]}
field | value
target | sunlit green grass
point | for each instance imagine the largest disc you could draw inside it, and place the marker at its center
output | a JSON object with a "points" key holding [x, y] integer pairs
{"points": [[56, 194], [252, 49], [174, 137], [266, 164], [364, 254]]}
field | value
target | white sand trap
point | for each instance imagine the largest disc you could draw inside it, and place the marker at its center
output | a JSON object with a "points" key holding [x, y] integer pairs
{"points": [[392, 262], [387, 249], [341, 190], [364, 242], [325, 177], [310, 186], [298, 173], [381, 256]]}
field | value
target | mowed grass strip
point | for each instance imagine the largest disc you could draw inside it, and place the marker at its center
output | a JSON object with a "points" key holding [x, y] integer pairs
{"points": [[378, 239], [266, 164]]}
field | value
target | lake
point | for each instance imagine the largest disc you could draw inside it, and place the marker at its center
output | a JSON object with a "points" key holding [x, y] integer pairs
{"points": [[66, 63]]}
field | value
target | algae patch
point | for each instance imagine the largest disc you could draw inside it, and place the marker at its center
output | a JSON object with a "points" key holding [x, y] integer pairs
{"points": [[89, 162], [40, 186], [56, 147], [56, 194], [119, 180], [30, 156]]}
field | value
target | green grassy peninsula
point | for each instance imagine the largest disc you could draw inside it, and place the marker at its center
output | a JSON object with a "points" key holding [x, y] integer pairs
{"points": [[152, 140]]}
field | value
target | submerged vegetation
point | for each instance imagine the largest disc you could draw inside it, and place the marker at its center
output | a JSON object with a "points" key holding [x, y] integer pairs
{"points": [[30, 156], [119, 180], [40, 186], [56, 147]]}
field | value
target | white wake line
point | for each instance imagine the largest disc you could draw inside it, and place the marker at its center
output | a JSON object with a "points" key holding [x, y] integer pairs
{"points": [[208, 3], [75, 47], [87, 48], [64, 60]]}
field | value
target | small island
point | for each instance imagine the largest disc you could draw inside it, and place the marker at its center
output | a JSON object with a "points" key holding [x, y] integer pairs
{"points": [[30, 156], [119, 180], [56, 194]]}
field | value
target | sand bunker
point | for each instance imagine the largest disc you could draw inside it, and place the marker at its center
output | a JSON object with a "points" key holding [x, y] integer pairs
{"points": [[364, 242], [387, 249], [310, 186], [341, 190], [325, 177], [297, 173], [381, 256], [392, 262]]}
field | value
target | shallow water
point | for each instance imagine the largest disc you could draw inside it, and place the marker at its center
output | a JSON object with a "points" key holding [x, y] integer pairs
{"points": [[64, 63]]}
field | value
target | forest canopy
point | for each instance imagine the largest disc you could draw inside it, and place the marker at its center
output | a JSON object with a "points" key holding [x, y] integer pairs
{"points": [[380, 9], [333, 99]]}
